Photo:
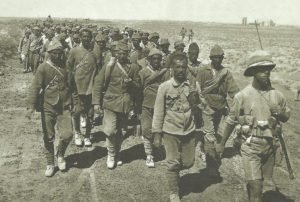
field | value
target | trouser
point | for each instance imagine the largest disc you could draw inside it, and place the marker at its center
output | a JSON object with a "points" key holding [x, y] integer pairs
{"points": [[146, 123], [258, 158], [83, 105], [56, 116], [34, 61], [113, 122], [180, 154], [210, 129], [25, 62]]}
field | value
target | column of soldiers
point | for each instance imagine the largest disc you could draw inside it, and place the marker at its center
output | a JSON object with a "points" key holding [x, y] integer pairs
{"points": [[180, 101]]}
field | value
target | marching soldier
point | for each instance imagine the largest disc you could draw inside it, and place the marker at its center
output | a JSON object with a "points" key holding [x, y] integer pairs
{"points": [[153, 41], [164, 45], [136, 51], [102, 52], [145, 40], [35, 45], [151, 77], [50, 85], [23, 50], [215, 83], [174, 121], [258, 110], [119, 81], [82, 67]]}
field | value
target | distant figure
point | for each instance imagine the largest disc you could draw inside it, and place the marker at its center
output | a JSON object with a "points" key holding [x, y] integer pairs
{"points": [[23, 50], [49, 19], [182, 33], [191, 35], [297, 95]]}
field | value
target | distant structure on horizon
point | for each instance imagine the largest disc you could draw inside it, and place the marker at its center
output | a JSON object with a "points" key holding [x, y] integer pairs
{"points": [[244, 21], [260, 22]]}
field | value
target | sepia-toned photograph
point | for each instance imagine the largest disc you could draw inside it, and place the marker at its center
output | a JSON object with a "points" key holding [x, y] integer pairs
{"points": [[149, 101]]}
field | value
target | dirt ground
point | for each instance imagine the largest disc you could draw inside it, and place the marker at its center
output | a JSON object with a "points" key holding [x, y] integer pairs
{"points": [[22, 163]]}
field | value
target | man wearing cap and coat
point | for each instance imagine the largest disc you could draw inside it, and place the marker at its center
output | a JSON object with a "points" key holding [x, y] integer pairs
{"points": [[136, 52], [164, 45], [50, 85], [257, 112], [151, 76], [35, 45], [153, 41], [82, 67], [101, 51], [173, 120], [214, 83], [114, 91], [23, 50]]}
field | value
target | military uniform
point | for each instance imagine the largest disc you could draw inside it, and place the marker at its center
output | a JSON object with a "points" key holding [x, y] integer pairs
{"points": [[215, 107], [35, 45], [257, 111], [117, 100], [150, 79], [82, 68], [23, 50], [56, 107], [173, 118]]}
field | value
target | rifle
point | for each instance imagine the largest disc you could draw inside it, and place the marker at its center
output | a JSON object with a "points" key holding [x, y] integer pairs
{"points": [[285, 151]]}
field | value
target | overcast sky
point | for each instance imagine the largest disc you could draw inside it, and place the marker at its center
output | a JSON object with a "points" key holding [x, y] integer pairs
{"points": [[231, 11]]}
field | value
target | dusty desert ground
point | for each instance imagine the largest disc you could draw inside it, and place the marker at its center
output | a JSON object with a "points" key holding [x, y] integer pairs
{"points": [[22, 163]]}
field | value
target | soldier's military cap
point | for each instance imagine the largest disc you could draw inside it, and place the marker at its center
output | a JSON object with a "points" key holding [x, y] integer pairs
{"points": [[50, 31], [179, 43], [136, 36], [145, 35], [216, 50], [27, 31], [193, 47], [258, 59], [178, 55], [115, 31], [54, 45], [76, 36], [153, 35], [63, 29], [36, 28], [85, 29], [164, 41], [74, 29], [154, 51], [100, 37], [122, 46]]}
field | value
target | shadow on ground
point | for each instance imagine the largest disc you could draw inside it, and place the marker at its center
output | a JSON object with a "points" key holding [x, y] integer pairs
{"points": [[197, 182], [86, 159], [133, 153], [275, 196], [98, 137]]}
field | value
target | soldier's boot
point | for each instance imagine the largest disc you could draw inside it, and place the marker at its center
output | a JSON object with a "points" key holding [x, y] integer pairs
{"points": [[111, 148], [49, 153], [61, 163], [173, 183], [87, 136], [150, 161], [61, 149], [76, 127], [50, 170]]}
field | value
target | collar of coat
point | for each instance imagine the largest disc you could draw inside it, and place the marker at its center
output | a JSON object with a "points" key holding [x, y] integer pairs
{"points": [[175, 84]]}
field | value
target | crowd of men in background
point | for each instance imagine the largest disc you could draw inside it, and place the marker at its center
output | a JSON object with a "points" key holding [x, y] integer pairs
{"points": [[89, 71]]}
